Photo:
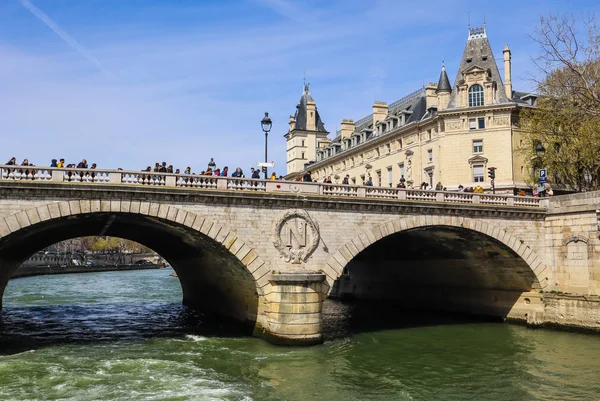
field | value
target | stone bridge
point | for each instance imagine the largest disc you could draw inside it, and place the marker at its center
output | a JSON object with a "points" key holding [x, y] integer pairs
{"points": [[267, 253]]}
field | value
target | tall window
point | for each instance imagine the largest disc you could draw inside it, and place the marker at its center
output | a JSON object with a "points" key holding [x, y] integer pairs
{"points": [[401, 165], [478, 173], [475, 96], [430, 155], [389, 171], [303, 142], [478, 146]]}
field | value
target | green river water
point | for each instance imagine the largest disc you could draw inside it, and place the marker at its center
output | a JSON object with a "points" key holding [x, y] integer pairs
{"points": [[125, 336]]}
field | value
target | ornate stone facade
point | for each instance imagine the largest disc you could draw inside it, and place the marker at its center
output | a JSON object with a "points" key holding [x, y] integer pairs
{"points": [[433, 134]]}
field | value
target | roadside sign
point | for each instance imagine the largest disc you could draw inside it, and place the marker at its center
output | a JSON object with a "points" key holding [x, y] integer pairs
{"points": [[263, 164], [543, 176]]}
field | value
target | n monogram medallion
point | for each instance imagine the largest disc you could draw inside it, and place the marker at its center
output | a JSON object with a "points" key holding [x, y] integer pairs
{"points": [[296, 236]]}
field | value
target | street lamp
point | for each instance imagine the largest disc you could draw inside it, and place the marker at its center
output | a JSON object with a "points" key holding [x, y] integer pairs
{"points": [[211, 164], [540, 150], [266, 124]]}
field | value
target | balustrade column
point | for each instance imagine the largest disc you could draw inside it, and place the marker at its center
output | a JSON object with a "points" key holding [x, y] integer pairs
{"points": [[115, 177], [221, 183], [58, 175], [170, 180]]}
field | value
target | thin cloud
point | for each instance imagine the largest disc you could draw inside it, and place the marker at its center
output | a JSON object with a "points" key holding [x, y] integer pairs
{"points": [[68, 39]]}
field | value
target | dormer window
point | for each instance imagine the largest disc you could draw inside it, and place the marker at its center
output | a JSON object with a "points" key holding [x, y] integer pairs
{"points": [[484, 58], [475, 96], [469, 59]]}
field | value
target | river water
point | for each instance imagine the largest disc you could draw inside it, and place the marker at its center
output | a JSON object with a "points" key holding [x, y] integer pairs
{"points": [[125, 336]]}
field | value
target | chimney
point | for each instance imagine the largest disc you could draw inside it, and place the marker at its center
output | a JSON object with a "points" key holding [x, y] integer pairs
{"points": [[311, 110], [347, 128], [430, 95], [507, 73], [380, 112]]}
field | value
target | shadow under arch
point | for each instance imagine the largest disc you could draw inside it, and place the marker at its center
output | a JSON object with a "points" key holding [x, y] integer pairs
{"points": [[211, 262], [438, 263]]}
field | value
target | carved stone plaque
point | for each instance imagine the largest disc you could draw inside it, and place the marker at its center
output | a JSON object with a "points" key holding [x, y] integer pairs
{"points": [[296, 236]]}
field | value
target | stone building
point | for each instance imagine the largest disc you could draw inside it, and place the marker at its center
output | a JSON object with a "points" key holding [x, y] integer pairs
{"points": [[441, 133]]}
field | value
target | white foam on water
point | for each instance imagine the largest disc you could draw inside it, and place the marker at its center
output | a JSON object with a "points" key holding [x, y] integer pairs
{"points": [[195, 338]]}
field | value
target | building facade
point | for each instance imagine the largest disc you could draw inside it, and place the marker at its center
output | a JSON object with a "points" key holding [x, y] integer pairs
{"points": [[443, 133]]}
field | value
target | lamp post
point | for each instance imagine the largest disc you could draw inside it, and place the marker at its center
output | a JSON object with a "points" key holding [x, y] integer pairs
{"points": [[211, 164], [266, 124], [540, 151]]}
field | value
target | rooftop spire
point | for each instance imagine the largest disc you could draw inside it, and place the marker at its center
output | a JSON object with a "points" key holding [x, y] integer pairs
{"points": [[444, 82]]}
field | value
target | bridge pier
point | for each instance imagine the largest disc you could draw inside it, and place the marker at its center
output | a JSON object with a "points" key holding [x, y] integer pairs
{"points": [[293, 306]]}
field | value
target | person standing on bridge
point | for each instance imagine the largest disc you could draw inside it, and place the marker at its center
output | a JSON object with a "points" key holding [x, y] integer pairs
{"points": [[61, 163], [12, 161], [83, 165], [307, 177], [237, 173]]}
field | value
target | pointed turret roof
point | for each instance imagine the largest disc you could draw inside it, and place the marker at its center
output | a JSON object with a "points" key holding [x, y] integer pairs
{"points": [[301, 112], [478, 52], [444, 82]]}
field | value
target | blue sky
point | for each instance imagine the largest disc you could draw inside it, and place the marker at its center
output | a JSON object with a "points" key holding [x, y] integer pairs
{"points": [[125, 83]]}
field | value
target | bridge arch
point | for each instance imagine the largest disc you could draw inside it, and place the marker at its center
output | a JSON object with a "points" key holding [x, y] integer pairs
{"points": [[512, 267], [218, 270]]}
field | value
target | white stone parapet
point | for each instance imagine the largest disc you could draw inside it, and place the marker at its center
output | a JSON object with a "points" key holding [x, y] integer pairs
{"points": [[35, 174]]}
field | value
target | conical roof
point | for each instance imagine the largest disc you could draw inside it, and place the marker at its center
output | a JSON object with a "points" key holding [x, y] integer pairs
{"points": [[444, 82]]}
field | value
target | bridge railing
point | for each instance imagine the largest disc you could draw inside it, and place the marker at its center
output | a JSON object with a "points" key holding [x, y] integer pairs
{"points": [[153, 179]]}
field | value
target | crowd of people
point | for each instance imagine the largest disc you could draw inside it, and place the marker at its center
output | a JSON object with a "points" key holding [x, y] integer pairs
{"points": [[158, 168], [163, 167]]}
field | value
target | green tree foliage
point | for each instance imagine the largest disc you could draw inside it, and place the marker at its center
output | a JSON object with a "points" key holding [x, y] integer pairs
{"points": [[102, 244], [567, 117]]}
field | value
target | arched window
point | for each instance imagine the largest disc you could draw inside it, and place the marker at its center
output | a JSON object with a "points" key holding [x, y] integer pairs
{"points": [[475, 96]]}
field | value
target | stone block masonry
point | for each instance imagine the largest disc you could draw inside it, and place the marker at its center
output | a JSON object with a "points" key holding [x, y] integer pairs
{"points": [[227, 244]]}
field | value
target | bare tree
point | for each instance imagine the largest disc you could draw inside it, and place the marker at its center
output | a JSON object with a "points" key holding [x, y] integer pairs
{"points": [[567, 117], [576, 55]]}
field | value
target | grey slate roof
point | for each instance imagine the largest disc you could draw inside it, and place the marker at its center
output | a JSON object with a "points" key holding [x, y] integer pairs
{"points": [[525, 98], [444, 82], [414, 102], [301, 112], [478, 52]]}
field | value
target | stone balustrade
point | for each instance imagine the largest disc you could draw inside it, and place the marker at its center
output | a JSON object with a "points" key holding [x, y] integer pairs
{"points": [[150, 178]]}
